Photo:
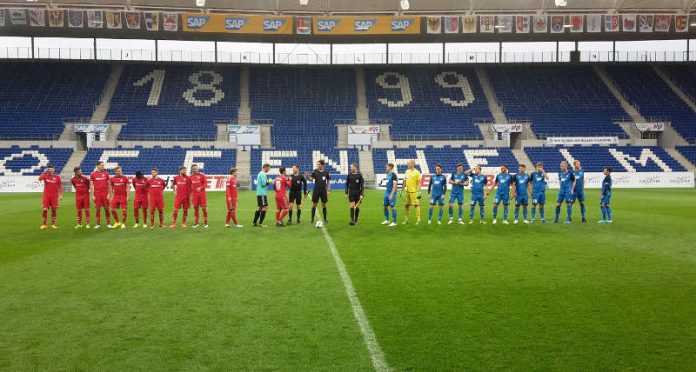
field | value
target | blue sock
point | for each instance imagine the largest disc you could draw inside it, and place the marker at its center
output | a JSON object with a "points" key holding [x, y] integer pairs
{"points": [[481, 212], [439, 214], [604, 212], [517, 212], [394, 214], [471, 212], [533, 213], [524, 212], [505, 212], [541, 212], [461, 212], [608, 212], [582, 210], [386, 214], [430, 214], [569, 209], [558, 212], [495, 211], [451, 212]]}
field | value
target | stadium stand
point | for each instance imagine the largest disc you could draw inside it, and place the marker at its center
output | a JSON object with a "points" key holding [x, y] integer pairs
{"points": [[174, 102], [684, 76], [337, 160], [654, 99], [689, 153], [167, 160], [427, 103], [36, 98], [559, 100], [595, 158], [447, 156], [16, 161], [303, 103]]}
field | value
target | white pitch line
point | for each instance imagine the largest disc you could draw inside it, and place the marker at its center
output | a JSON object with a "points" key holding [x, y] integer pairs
{"points": [[376, 353]]}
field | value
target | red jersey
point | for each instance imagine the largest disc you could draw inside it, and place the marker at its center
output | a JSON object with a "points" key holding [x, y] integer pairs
{"points": [[182, 185], [140, 185], [231, 188], [198, 180], [52, 184], [281, 185], [100, 181], [120, 185], [155, 187], [81, 185]]}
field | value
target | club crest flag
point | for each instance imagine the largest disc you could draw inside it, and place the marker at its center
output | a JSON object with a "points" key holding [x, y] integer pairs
{"points": [[451, 24], [303, 25], [2, 17], [75, 18], [132, 20], [468, 24], [434, 25], [662, 22], [486, 24], [576, 23], [540, 24], [611, 23], [113, 20], [18, 17], [504, 24], [151, 21], [522, 24], [681, 23], [645, 23], [629, 22], [37, 18], [170, 21], [557, 23], [594, 23], [56, 18], [95, 18]]}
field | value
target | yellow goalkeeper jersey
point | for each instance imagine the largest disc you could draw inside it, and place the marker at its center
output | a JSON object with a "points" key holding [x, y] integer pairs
{"points": [[412, 180]]}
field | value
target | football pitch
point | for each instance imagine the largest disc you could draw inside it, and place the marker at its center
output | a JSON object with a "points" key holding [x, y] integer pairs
{"points": [[475, 297]]}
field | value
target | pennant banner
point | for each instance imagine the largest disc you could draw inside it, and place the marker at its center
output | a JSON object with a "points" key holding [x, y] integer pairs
{"points": [[37, 18], [56, 18], [303, 25], [486, 24], [662, 22], [504, 24], [629, 22], [151, 21], [611, 23], [681, 23], [132, 20], [113, 20], [170, 21], [594, 23], [577, 23], [469, 24], [451, 24], [557, 23], [434, 25], [522, 24], [75, 18], [540, 24], [18, 17], [2, 17], [645, 23]]}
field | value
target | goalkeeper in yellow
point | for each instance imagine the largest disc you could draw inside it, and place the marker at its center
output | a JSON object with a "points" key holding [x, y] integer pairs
{"points": [[412, 187]]}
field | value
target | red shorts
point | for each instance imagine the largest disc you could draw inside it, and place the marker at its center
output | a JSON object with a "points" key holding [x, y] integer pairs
{"points": [[231, 204], [156, 204], [101, 201], [282, 203], [182, 203], [199, 200], [50, 201], [82, 201], [140, 203], [119, 201]]}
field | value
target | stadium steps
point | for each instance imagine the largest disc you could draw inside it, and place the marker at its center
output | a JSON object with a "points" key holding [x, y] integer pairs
{"points": [[680, 93], [266, 138], [522, 158], [362, 113], [244, 112], [99, 114], [493, 106], [221, 137], [73, 161], [631, 110], [244, 169], [681, 159], [342, 136], [367, 168]]}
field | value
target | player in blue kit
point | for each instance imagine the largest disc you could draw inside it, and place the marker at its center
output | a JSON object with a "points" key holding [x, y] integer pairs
{"points": [[579, 194], [605, 196], [478, 193], [458, 180], [392, 183], [502, 182], [565, 193], [437, 188], [539, 181], [520, 191]]}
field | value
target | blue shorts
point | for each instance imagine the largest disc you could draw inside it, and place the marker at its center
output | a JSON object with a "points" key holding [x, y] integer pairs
{"points": [[606, 199], [522, 200], [458, 197], [502, 198], [437, 199], [539, 198], [389, 202], [564, 195], [477, 199], [579, 195]]}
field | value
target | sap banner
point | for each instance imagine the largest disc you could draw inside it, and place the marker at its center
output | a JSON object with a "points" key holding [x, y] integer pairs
{"points": [[237, 23], [593, 180], [32, 184], [374, 25]]}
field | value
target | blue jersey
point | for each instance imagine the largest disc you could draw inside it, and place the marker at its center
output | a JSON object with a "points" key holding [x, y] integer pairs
{"points": [[606, 185], [503, 181], [391, 177], [458, 177], [579, 179], [478, 184], [522, 181], [566, 179], [438, 185], [538, 182]]}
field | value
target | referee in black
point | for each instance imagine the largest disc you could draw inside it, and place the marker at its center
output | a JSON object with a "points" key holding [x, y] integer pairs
{"points": [[322, 189], [298, 188], [355, 191]]}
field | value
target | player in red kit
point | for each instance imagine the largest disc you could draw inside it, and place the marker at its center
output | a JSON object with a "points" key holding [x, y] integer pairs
{"points": [[119, 196], [281, 184], [81, 185], [52, 194], [231, 199], [155, 188], [182, 196], [100, 188], [198, 184], [140, 201]]}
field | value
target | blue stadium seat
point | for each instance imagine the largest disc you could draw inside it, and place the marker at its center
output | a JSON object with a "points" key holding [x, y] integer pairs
{"points": [[30, 161], [689, 153], [335, 164], [595, 158], [168, 161]]}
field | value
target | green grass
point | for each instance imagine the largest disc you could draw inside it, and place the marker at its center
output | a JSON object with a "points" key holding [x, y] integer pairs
{"points": [[537, 297]]}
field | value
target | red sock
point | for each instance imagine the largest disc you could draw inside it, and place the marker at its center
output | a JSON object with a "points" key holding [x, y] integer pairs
{"points": [[161, 216], [227, 218], [185, 215], [196, 214], [278, 216], [87, 215], [44, 214], [54, 213], [175, 215], [136, 215], [98, 216], [115, 214], [234, 216], [108, 217], [205, 215], [283, 214], [152, 217], [144, 216], [79, 216], [125, 215]]}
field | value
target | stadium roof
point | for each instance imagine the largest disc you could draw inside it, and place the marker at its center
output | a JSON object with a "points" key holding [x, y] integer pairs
{"points": [[381, 6]]}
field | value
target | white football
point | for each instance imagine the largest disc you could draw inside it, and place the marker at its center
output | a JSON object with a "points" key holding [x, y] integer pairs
{"points": [[319, 224]]}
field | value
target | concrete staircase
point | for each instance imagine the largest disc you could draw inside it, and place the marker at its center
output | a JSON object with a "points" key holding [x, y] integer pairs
{"points": [[681, 159], [99, 114], [493, 105], [244, 112], [522, 158], [75, 160], [675, 88], [367, 168], [266, 140], [244, 169], [362, 114]]}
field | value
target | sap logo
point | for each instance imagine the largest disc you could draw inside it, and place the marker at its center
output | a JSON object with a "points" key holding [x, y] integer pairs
{"points": [[363, 25], [272, 25], [401, 24], [197, 22], [327, 25], [235, 24]]}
